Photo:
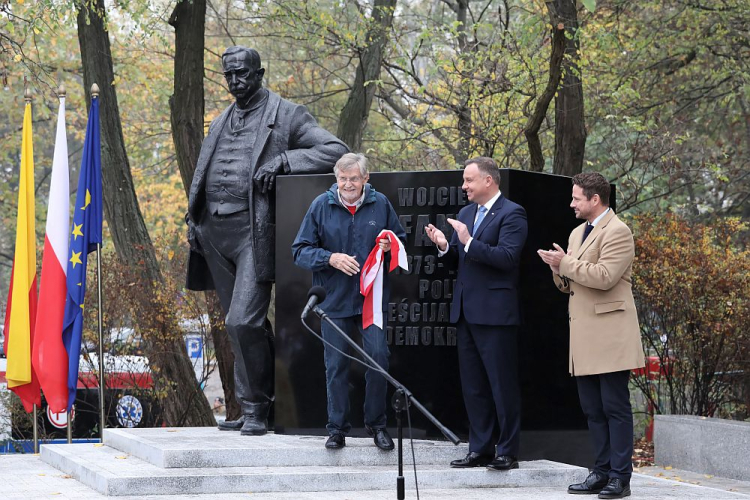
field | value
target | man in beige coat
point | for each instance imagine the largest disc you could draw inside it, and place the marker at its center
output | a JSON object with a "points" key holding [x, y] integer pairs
{"points": [[605, 341]]}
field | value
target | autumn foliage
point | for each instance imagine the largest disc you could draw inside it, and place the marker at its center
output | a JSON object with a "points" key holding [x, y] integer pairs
{"points": [[692, 288]]}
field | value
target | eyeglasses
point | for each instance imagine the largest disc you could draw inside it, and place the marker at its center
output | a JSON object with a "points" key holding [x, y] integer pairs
{"points": [[353, 180]]}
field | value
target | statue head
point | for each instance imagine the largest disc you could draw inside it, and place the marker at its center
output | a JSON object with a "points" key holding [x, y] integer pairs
{"points": [[243, 72]]}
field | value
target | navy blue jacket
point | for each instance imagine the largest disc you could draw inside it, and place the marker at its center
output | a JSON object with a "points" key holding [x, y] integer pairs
{"points": [[487, 282], [329, 227]]}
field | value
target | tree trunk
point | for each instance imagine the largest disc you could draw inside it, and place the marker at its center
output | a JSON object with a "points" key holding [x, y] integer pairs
{"points": [[186, 111], [463, 111], [163, 342], [353, 118], [531, 130], [570, 126]]}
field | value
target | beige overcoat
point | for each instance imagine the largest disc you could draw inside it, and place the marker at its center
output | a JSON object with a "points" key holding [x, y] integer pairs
{"points": [[604, 332]]}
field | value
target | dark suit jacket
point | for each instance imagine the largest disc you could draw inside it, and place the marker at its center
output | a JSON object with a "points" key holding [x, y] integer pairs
{"points": [[487, 282], [287, 130]]}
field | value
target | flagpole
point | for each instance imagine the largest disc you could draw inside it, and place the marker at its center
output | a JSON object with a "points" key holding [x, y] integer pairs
{"points": [[95, 95], [101, 348], [35, 425], [61, 93], [70, 424]]}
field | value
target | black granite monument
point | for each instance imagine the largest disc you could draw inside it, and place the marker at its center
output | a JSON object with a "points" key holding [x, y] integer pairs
{"points": [[420, 337]]}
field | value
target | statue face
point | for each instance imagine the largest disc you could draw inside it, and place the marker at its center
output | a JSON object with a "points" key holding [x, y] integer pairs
{"points": [[243, 78]]}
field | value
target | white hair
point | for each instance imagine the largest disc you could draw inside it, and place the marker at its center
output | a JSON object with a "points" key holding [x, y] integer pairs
{"points": [[348, 161]]}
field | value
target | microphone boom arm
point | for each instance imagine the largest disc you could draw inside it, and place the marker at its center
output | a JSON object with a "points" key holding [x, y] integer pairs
{"points": [[398, 385]]}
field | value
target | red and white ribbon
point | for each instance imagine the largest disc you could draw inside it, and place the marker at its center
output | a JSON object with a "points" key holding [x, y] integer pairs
{"points": [[371, 278]]}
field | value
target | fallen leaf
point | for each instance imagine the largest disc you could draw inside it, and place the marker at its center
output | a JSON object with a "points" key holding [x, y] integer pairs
{"points": [[98, 445], [708, 476], [122, 457], [668, 467]]}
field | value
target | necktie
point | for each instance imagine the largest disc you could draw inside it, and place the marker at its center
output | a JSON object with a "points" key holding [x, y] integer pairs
{"points": [[480, 218], [587, 231]]}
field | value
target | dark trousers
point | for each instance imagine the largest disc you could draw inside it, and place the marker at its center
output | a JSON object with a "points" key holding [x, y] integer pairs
{"points": [[488, 364], [228, 249], [605, 399], [337, 374]]}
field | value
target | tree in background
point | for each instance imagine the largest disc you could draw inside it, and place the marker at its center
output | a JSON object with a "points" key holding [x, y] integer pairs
{"points": [[669, 118], [691, 283], [353, 119]]}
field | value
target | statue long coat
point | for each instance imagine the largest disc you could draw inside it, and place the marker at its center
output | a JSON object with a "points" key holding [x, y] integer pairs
{"points": [[286, 129]]}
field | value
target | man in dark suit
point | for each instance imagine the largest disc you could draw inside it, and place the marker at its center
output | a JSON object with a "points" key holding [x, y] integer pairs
{"points": [[486, 247], [231, 217]]}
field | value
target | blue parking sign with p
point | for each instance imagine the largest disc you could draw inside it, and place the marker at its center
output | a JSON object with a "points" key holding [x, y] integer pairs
{"points": [[194, 344]]}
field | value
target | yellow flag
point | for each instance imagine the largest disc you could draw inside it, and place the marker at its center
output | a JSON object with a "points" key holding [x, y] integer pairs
{"points": [[23, 294]]}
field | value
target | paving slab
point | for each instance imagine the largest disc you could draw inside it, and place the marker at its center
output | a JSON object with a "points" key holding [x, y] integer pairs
{"points": [[27, 477], [113, 472], [696, 478], [193, 447]]}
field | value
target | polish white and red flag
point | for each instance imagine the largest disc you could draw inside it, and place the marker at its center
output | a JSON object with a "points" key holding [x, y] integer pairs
{"points": [[49, 357], [371, 277]]}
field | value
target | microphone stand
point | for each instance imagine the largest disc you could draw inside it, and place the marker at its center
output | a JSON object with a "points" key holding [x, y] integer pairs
{"points": [[402, 398]]}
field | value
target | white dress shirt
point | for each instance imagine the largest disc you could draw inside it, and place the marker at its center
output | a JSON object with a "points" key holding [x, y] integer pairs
{"points": [[595, 221]]}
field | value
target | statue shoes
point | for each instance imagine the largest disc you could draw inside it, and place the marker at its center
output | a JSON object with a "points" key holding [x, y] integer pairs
{"points": [[232, 425], [254, 426]]}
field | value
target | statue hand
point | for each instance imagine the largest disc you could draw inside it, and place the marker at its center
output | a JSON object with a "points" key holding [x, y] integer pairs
{"points": [[195, 246], [265, 176]]}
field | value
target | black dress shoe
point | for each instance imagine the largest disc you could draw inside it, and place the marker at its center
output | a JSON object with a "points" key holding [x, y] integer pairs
{"points": [[472, 459], [616, 488], [503, 462], [591, 486], [232, 425], [336, 441], [381, 437], [254, 426]]}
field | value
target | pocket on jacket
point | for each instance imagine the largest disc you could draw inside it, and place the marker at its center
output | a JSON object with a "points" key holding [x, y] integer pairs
{"points": [[239, 189], [608, 307], [499, 285]]}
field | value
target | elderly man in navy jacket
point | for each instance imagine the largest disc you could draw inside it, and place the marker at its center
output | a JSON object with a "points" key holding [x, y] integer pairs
{"points": [[337, 234], [486, 247]]}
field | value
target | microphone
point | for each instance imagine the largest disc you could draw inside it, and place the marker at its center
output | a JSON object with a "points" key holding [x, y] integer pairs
{"points": [[314, 296]]}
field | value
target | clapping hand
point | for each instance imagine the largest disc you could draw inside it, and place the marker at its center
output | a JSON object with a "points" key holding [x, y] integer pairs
{"points": [[461, 230], [437, 237], [553, 257]]}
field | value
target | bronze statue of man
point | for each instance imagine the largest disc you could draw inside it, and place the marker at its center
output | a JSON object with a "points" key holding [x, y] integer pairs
{"points": [[231, 217]]}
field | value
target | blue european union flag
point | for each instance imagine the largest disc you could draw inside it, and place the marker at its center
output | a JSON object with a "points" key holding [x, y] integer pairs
{"points": [[86, 232]]}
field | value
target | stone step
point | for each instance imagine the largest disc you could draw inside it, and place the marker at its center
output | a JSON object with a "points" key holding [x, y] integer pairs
{"points": [[210, 447], [113, 472]]}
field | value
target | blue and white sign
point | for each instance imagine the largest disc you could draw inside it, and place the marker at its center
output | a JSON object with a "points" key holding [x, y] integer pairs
{"points": [[129, 411], [194, 345]]}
